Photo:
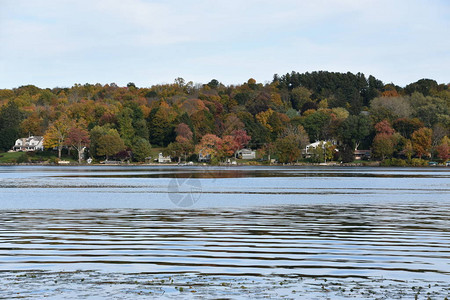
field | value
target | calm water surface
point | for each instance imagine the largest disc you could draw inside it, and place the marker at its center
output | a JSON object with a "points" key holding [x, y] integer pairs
{"points": [[196, 232]]}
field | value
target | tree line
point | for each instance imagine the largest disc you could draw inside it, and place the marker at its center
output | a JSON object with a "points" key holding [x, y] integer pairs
{"points": [[279, 118]]}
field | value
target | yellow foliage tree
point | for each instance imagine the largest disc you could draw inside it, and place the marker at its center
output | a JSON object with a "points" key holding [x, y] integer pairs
{"points": [[56, 134], [32, 125], [421, 141], [275, 98], [263, 118]]}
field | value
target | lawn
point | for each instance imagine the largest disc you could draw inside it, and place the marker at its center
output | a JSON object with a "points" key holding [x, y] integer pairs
{"points": [[10, 157], [30, 157]]}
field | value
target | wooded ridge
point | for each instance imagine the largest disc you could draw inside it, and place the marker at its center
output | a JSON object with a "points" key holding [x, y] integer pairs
{"points": [[343, 110]]}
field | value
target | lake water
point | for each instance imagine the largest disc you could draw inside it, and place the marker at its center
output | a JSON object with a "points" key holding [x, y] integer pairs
{"points": [[218, 232]]}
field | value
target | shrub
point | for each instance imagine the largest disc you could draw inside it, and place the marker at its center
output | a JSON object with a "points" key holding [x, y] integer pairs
{"points": [[394, 162], [418, 162]]}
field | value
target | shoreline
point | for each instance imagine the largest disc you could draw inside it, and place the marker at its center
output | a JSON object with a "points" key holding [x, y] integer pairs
{"points": [[333, 164]]}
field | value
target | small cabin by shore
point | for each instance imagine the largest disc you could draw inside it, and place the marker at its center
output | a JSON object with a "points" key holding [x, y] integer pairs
{"points": [[164, 159], [362, 154], [246, 154]]}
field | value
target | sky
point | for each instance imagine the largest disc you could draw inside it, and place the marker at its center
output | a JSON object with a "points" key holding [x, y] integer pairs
{"points": [[57, 43]]}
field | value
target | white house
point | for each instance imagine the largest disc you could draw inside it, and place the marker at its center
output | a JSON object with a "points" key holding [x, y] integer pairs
{"points": [[308, 151], [312, 146], [164, 159], [32, 143], [203, 157], [246, 154]]}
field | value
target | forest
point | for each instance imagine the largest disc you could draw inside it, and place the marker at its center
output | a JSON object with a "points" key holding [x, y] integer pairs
{"points": [[345, 111]]}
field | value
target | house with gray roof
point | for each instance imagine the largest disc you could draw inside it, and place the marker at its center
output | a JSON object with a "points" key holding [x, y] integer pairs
{"points": [[32, 143]]}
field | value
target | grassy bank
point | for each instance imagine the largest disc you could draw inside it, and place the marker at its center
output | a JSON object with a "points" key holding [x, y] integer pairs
{"points": [[41, 157], [50, 157]]}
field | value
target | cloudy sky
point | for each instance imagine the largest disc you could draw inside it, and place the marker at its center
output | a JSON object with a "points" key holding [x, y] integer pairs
{"points": [[52, 43]]}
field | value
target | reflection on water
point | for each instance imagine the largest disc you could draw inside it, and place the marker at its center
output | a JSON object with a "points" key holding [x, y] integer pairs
{"points": [[382, 237]]}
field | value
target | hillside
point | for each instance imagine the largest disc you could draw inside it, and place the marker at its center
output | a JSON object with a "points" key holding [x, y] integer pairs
{"points": [[279, 118]]}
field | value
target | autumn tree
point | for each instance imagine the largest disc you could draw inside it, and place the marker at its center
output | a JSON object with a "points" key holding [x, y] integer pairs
{"points": [[241, 138], [443, 150], [385, 141], [56, 134], [210, 144], [406, 126], [203, 123], [226, 148], [277, 121], [232, 123], [183, 144], [384, 127], [263, 118], [32, 125], [183, 130], [78, 138], [421, 140]]}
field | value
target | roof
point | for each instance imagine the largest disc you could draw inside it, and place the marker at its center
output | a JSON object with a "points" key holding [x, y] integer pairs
{"points": [[315, 144], [362, 152], [35, 137], [246, 151]]}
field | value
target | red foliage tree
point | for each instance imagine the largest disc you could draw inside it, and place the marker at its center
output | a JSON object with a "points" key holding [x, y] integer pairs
{"points": [[444, 149], [184, 131], [228, 147], [384, 127], [210, 144], [78, 138], [241, 138]]}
